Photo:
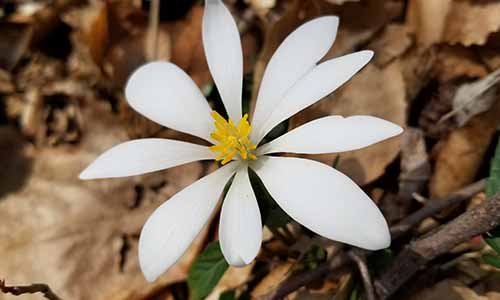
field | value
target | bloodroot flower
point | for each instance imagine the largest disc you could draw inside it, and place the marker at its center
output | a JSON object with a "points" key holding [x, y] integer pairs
{"points": [[314, 194]]}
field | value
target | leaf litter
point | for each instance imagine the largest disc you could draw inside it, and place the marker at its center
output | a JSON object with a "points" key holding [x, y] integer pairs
{"points": [[62, 71]]}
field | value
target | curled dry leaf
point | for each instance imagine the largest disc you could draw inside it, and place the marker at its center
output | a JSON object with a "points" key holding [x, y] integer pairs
{"points": [[458, 156], [373, 91], [456, 62], [467, 22], [80, 237], [474, 98]]}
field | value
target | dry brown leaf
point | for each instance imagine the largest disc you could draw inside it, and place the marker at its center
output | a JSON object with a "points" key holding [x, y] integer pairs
{"points": [[373, 91], [473, 98], [393, 42], [455, 62], [92, 28], [272, 280], [6, 84], [466, 22], [80, 237], [16, 38], [458, 157], [233, 278], [449, 290], [360, 22]]}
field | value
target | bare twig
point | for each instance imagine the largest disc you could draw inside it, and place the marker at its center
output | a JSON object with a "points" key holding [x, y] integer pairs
{"points": [[434, 206], [415, 256], [365, 274], [29, 289], [342, 259]]}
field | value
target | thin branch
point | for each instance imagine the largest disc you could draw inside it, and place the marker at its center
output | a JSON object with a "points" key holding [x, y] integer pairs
{"points": [[365, 274], [434, 206], [342, 259], [29, 289], [415, 256]]}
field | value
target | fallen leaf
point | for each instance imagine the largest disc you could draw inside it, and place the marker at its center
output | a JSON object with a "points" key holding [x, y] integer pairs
{"points": [[456, 62], [393, 42], [453, 21], [449, 290], [474, 98], [271, 281], [16, 38], [458, 157], [80, 237], [233, 278]]}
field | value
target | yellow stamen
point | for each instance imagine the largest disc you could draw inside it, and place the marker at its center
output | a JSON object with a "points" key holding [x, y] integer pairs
{"points": [[232, 139]]}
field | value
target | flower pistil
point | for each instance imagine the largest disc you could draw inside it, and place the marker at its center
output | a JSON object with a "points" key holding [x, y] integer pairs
{"points": [[232, 139]]}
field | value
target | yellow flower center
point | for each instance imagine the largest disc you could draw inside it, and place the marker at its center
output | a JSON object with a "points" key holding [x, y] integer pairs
{"points": [[232, 139]]}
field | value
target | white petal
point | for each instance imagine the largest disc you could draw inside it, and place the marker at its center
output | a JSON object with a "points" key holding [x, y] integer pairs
{"points": [[164, 93], [240, 230], [173, 226], [333, 134], [294, 58], [324, 200], [143, 156], [221, 41], [319, 82]]}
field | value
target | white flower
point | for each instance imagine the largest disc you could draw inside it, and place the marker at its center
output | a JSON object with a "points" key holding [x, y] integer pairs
{"points": [[315, 195]]}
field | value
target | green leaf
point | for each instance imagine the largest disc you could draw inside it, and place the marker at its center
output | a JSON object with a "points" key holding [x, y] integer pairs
{"points": [[493, 260], [380, 260], [271, 213], [355, 293], [493, 183], [492, 238], [206, 271], [313, 258], [228, 295]]}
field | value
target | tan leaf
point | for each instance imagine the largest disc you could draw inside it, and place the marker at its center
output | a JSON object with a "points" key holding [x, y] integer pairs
{"points": [[466, 22], [459, 156], [395, 40], [456, 62], [449, 290], [272, 280], [233, 278], [80, 237]]}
